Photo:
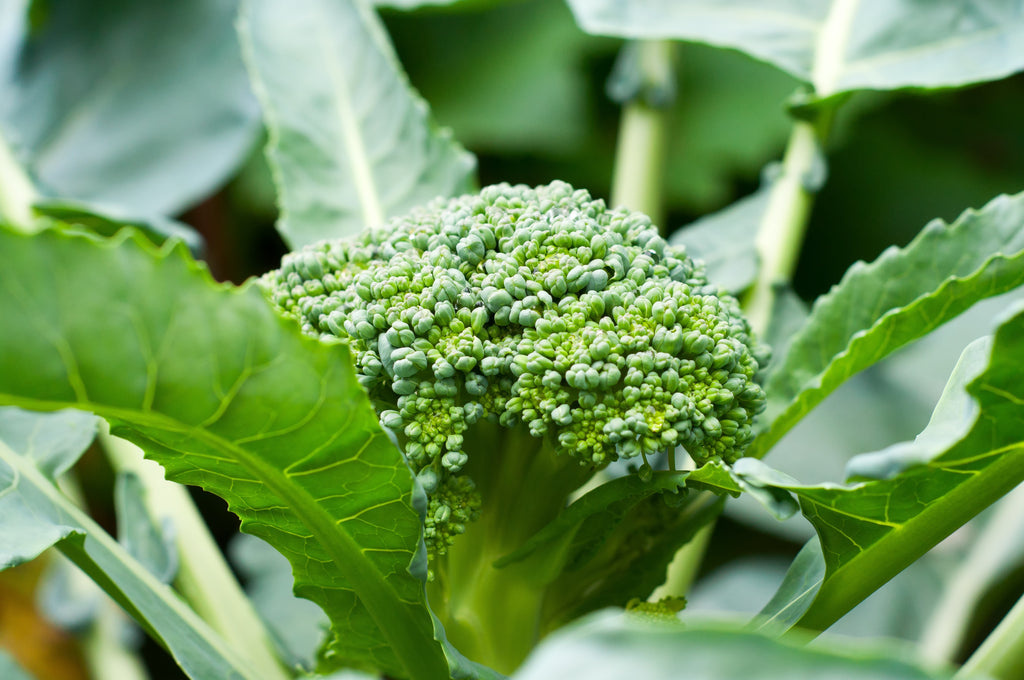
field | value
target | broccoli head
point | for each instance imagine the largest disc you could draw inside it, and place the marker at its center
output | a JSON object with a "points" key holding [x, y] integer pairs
{"points": [[515, 341], [536, 308]]}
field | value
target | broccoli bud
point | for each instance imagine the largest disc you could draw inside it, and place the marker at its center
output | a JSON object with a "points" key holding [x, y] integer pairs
{"points": [[524, 322]]}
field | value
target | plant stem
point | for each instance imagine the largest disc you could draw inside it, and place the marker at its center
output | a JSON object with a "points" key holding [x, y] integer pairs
{"points": [[782, 229], [104, 653], [204, 577], [638, 179], [683, 569], [16, 191], [494, 615], [991, 554], [1001, 656], [784, 224]]}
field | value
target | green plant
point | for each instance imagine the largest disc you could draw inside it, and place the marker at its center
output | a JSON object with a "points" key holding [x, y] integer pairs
{"points": [[470, 418], [516, 341]]}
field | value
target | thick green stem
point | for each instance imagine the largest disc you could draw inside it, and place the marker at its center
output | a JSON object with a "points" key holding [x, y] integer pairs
{"points": [[781, 234], [492, 615], [638, 182], [989, 556], [204, 577], [16, 191], [1001, 656], [782, 229], [683, 569]]}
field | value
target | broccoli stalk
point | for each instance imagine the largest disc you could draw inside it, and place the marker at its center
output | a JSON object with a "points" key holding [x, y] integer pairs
{"points": [[516, 341], [495, 615]]}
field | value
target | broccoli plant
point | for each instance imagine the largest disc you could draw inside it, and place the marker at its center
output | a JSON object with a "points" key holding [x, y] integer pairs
{"points": [[507, 431], [516, 341]]}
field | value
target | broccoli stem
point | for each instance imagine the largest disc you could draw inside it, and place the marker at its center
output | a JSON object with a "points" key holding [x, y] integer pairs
{"points": [[781, 233], [494, 615], [1002, 654], [16, 191], [643, 132]]}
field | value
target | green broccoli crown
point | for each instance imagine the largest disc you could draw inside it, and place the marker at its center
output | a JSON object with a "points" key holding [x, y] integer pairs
{"points": [[532, 306]]}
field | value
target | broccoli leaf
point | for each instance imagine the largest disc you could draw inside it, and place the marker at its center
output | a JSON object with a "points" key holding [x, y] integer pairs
{"points": [[837, 46], [916, 493], [579, 531], [226, 395], [905, 294], [634, 559], [351, 143], [107, 220], [724, 241], [617, 540], [37, 516], [585, 524], [141, 105], [610, 646]]}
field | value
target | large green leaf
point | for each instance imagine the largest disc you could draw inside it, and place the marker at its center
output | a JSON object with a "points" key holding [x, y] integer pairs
{"points": [[839, 45], [142, 105], [36, 516], [351, 143], [916, 493], [725, 241], [612, 646], [226, 395], [903, 295]]}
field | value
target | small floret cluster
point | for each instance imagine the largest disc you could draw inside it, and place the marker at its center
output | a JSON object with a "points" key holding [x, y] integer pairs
{"points": [[536, 308]]}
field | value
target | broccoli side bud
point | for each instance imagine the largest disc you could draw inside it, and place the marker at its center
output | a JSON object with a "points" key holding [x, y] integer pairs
{"points": [[536, 308]]}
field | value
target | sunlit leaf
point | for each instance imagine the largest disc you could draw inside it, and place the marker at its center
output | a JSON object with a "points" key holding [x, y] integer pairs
{"points": [[903, 295], [226, 395]]}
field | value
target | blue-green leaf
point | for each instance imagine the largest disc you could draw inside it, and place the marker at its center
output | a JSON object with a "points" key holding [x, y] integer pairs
{"points": [[836, 45], [610, 646], [36, 516], [142, 105], [915, 494], [725, 241], [351, 143], [903, 295]]}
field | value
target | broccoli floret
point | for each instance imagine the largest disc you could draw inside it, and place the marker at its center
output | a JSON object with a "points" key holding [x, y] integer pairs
{"points": [[518, 339]]}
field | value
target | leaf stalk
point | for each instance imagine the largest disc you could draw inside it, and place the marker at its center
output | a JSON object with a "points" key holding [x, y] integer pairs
{"points": [[204, 577]]}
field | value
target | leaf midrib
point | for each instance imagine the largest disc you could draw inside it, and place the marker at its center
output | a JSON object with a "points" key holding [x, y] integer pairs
{"points": [[83, 524], [844, 586], [790, 415], [377, 595]]}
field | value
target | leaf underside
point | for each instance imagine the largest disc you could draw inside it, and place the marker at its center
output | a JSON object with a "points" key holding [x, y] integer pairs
{"points": [[351, 143], [867, 45]]}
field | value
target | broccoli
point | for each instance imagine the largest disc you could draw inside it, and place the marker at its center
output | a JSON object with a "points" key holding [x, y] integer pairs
{"points": [[515, 341]]}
